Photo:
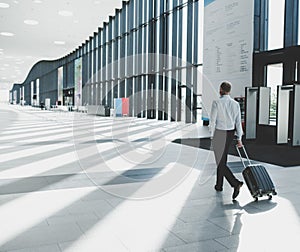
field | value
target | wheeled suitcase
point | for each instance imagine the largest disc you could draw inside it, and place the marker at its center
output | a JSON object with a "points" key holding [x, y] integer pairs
{"points": [[257, 178]]}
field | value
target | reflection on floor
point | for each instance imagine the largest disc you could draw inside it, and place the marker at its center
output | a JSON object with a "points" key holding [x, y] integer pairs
{"points": [[72, 182]]}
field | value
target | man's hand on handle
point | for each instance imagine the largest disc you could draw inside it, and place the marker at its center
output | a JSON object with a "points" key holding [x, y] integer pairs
{"points": [[239, 144]]}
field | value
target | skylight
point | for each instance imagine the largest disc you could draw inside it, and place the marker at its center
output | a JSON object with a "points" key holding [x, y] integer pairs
{"points": [[7, 34], [4, 5], [65, 13], [31, 22]]}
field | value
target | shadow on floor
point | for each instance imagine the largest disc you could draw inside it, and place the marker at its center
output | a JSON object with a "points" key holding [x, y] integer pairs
{"points": [[281, 155]]}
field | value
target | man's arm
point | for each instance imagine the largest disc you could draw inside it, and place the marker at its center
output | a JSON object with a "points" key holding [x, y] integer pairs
{"points": [[239, 128], [213, 118]]}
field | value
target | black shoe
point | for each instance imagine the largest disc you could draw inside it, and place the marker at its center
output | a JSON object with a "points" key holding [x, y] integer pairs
{"points": [[218, 189], [236, 190]]}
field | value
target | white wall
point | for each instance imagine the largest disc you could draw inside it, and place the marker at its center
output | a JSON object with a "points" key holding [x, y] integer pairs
{"points": [[4, 95], [227, 48]]}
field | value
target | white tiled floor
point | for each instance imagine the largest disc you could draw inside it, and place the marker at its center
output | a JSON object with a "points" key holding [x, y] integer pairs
{"points": [[72, 182]]}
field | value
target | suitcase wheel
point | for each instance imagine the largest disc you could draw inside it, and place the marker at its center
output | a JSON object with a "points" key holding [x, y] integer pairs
{"points": [[270, 196], [255, 199]]}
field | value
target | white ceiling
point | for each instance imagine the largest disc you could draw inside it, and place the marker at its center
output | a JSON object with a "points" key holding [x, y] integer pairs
{"points": [[68, 21]]}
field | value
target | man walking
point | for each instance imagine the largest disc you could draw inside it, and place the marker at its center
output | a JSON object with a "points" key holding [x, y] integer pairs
{"points": [[225, 123]]}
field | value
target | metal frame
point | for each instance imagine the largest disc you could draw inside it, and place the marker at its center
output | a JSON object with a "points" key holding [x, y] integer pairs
{"points": [[174, 64], [109, 65], [129, 58]]}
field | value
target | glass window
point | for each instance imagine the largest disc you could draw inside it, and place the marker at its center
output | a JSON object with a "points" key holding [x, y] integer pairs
{"points": [[92, 66], [101, 64], [200, 32], [112, 46], [157, 43], [274, 78], [184, 33], [276, 24], [170, 38], [96, 63], [145, 48]]}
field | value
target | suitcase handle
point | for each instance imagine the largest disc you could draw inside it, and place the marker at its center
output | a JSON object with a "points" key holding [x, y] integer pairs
{"points": [[239, 152]]}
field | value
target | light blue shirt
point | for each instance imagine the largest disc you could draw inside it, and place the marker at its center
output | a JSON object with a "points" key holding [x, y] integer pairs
{"points": [[226, 115]]}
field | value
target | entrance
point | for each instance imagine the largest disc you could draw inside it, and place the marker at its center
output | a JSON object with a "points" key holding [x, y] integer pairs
{"points": [[68, 97]]}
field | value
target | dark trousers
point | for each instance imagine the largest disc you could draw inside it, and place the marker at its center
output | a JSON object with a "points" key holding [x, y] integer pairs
{"points": [[221, 142]]}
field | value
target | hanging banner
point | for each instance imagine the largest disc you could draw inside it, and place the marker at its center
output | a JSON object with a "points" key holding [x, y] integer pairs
{"points": [[60, 76], [118, 106], [78, 82], [125, 106], [228, 48]]}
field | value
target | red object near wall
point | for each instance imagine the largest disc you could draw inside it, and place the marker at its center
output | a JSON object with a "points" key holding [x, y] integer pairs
{"points": [[125, 106]]}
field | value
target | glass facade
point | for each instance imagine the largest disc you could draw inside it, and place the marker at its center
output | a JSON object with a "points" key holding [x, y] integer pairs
{"points": [[149, 52]]}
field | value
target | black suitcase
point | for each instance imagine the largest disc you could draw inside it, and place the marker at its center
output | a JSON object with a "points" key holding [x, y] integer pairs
{"points": [[257, 178]]}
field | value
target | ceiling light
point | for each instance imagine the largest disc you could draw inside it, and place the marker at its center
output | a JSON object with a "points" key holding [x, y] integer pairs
{"points": [[96, 2], [4, 5], [37, 1], [6, 65], [65, 13], [59, 42], [3, 78], [31, 22], [16, 2], [7, 34]]}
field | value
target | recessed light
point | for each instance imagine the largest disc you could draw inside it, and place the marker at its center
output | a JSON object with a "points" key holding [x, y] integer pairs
{"points": [[37, 1], [76, 21], [96, 2], [59, 42], [3, 78], [65, 13], [6, 65], [7, 34], [31, 22], [4, 5], [16, 2]]}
